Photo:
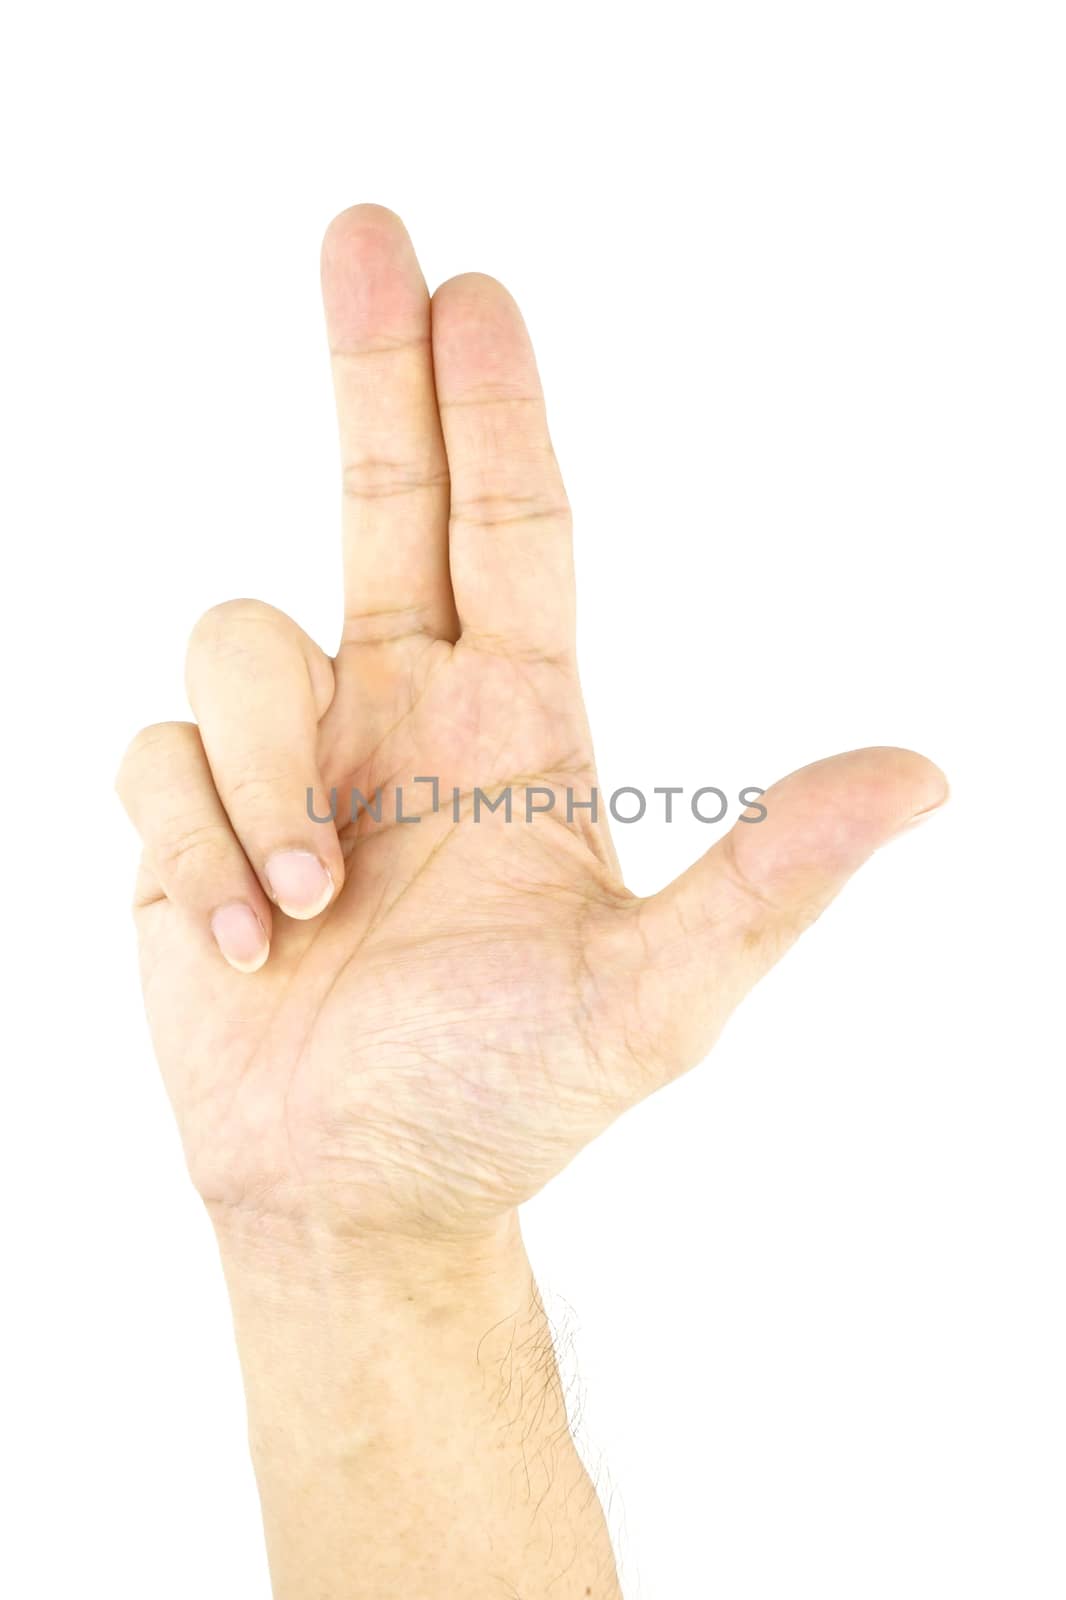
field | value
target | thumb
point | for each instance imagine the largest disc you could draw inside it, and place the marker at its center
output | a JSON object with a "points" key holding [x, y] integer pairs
{"points": [[717, 929]]}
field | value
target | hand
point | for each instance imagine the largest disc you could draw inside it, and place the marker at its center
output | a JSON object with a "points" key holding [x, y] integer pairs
{"points": [[427, 1021]]}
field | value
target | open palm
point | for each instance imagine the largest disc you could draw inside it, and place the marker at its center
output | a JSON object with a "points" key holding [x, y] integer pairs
{"points": [[425, 1013]]}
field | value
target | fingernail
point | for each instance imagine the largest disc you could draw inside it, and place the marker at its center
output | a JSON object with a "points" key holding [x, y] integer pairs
{"points": [[922, 816], [240, 936], [299, 883]]}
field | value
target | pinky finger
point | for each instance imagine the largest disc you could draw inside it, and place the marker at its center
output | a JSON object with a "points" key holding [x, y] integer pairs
{"points": [[165, 784]]}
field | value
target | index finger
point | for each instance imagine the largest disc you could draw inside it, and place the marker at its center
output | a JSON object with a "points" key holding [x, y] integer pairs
{"points": [[395, 472]]}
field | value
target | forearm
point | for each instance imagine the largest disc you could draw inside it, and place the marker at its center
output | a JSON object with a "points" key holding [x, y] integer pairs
{"points": [[407, 1422]]}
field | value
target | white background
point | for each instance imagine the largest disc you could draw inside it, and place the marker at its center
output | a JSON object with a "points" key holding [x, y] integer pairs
{"points": [[795, 276]]}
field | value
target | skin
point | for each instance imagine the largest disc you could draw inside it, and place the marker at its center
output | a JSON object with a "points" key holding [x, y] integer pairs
{"points": [[404, 1046]]}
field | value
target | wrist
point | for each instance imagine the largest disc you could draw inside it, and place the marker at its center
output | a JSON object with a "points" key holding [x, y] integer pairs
{"points": [[305, 1297], [300, 1259]]}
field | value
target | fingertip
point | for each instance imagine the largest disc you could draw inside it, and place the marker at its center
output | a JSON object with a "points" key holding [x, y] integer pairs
{"points": [[249, 967], [932, 782], [300, 883], [239, 932], [475, 304], [824, 820], [473, 287], [359, 222], [904, 779], [481, 345], [372, 284]]}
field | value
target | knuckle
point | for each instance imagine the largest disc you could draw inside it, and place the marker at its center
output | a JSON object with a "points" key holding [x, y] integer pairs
{"points": [[197, 850], [500, 509], [148, 747], [485, 397], [377, 478], [225, 625], [254, 792]]}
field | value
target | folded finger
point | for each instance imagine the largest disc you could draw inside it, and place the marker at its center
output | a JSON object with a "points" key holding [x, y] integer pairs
{"points": [[259, 686], [165, 784]]}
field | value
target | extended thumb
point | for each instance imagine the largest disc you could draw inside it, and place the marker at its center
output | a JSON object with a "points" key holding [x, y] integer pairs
{"points": [[715, 930]]}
